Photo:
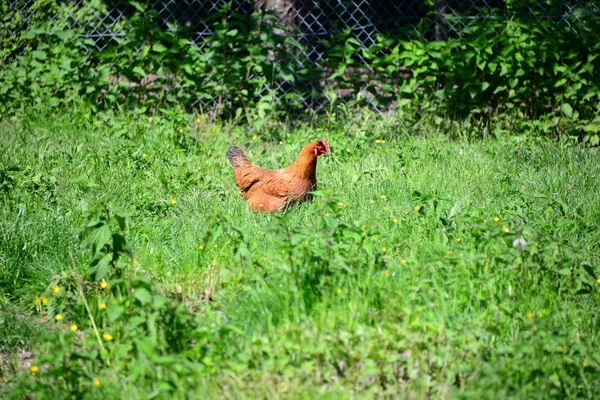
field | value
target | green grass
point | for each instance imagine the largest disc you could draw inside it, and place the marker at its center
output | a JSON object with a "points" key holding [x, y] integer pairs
{"points": [[418, 294]]}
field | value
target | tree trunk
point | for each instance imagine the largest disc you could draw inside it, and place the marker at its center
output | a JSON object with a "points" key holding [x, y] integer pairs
{"points": [[441, 23], [295, 16], [291, 13], [285, 10]]}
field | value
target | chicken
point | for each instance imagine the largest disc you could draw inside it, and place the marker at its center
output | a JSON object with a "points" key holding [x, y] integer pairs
{"points": [[268, 190]]}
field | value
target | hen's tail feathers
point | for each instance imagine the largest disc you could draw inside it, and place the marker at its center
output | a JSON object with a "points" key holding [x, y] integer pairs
{"points": [[237, 157]]}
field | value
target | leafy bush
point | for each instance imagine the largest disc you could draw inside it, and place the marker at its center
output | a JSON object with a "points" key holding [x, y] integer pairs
{"points": [[541, 70], [56, 70], [239, 68], [14, 24]]}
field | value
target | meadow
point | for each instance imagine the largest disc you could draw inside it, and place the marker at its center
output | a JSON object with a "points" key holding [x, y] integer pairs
{"points": [[434, 262]]}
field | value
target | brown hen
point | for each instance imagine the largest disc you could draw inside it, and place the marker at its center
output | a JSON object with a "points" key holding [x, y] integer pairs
{"points": [[269, 190]]}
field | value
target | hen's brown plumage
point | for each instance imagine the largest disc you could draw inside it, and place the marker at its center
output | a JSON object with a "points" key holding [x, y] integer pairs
{"points": [[269, 190]]}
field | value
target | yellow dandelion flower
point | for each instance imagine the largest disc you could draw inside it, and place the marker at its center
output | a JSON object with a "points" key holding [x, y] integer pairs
{"points": [[529, 315], [379, 141], [56, 289], [34, 369], [254, 137], [383, 249], [535, 328], [585, 364], [201, 247], [216, 246], [280, 142], [36, 300], [58, 317], [107, 336], [598, 280], [496, 219], [458, 240], [364, 226], [197, 120], [180, 130], [395, 220], [103, 284], [102, 306], [327, 214], [339, 292], [417, 208], [403, 261], [373, 202], [386, 272], [96, 381], [73, 328], [505, 228], [144, 155], [383, 197], [173, 202], [341, 204]]}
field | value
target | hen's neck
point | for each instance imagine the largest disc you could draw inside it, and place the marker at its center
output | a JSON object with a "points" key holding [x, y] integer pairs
{"points": [[305, 165]]}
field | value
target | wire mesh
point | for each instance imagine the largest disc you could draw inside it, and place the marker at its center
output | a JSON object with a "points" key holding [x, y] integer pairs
{"points": [[310, 22]]}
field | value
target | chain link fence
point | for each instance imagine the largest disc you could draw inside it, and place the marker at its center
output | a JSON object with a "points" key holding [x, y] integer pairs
{"points": [[311, 22]]}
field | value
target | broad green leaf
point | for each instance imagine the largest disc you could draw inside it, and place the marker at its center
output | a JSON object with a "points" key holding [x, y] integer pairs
{"points": [[565, 271], [139, 71], [121, 217], [159, 47], [567, 110], [64, 35], [100, 235], [499, 89], [139, 6], [40, 55], [115, 312], [560, 82], [102, 267], [144, 51], [341, 70], [519, 57], [29, 34], [143, 295], [590, 271]]}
